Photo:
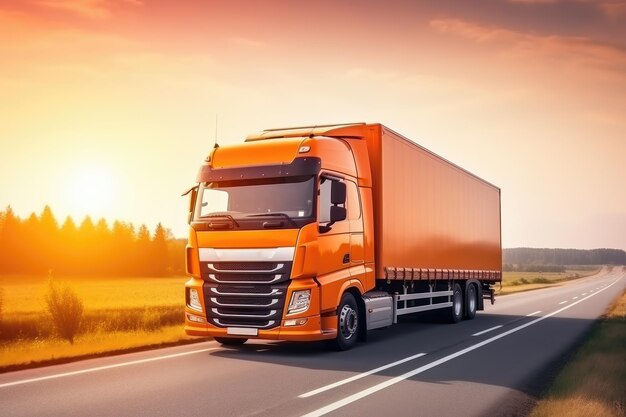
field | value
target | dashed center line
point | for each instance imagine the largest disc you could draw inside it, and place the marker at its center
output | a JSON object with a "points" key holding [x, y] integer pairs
{"points": [[573, 298], [532, 314], [563, 302], [488, 330]]}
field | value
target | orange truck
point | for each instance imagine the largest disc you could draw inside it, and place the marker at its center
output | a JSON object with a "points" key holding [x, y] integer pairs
{"points": [[327, 232]]}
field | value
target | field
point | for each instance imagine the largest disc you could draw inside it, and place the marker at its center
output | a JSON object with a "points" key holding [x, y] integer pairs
{"points": [[525, 281], [592, 383], [120, 313]]}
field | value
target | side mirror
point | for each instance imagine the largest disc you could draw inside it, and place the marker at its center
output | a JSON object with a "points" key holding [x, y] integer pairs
{"points": [[193, 194], [337, 193], [337, 214]]}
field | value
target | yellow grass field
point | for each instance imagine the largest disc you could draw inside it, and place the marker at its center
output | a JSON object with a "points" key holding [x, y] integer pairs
{"points": [[31, 351], [593, 383], [25, 294]]}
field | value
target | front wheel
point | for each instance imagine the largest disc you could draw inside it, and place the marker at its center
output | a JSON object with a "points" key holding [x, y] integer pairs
{"points": [[348, 323], [230, 341]]}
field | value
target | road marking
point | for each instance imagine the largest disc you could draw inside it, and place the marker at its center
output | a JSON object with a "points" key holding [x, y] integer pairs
{"points": [[563, 302], [573, 298], [378, 387], [488, 330], [359, 376], [532, 314], [584, 293], [102, 368]]}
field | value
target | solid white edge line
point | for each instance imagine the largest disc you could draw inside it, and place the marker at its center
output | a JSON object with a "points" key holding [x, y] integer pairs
{"points": [[102, 368], [378, 387], [359, 376], [533, 313], [488, 330], [563, 302]]}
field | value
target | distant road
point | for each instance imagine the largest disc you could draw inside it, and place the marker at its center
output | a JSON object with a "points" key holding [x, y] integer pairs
{"points": [[493, 365]]}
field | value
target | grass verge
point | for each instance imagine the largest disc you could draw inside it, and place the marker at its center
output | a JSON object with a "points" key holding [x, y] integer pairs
{"points": [[525, 281], [593, 383], [22, 354]]}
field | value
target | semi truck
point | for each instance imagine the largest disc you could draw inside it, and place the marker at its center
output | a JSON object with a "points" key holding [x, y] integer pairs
{"points": [[328, 232]]}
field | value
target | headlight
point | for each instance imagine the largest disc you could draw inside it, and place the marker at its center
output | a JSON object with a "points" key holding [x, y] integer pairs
{"points": [[193, 299], [300, 301]]}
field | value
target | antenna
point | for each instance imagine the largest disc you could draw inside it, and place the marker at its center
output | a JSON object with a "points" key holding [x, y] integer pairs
{"points": [[215, 145]]}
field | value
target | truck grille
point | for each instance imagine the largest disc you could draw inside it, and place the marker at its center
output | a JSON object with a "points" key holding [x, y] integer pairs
{"points": [[245, 294]]}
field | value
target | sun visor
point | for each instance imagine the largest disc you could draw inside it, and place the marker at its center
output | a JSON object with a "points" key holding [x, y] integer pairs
{"points": [[299, 167]]}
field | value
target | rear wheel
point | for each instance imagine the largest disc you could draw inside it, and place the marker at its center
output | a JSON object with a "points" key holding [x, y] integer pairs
{"points": [[230, 341], [455, 313], [348, 323], [471, 302]]}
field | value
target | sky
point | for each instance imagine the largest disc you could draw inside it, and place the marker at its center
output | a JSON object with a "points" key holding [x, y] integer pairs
{"points": [[108, 107]]}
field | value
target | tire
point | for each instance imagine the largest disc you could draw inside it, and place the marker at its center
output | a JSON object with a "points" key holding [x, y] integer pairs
{"points": [[471, 302], [348, 323], [455, 313], [230, 341]]}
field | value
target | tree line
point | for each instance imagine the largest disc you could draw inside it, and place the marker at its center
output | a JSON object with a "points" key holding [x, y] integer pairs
{"points": [[38, 245], [560, 257]]}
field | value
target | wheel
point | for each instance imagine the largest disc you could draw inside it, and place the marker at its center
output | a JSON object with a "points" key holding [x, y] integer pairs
{"points": [[230, 341], [455, 313], [471, 302], [348, 323]]}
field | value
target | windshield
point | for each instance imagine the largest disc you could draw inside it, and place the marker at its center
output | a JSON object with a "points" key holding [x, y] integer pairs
{"points": [[257, 199]]}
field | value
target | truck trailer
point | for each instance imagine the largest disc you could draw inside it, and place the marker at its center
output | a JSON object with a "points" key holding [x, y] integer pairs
{"points": [[327, 232]]}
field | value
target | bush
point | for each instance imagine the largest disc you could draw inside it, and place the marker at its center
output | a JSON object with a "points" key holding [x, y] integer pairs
{"points": [[65, 308]]}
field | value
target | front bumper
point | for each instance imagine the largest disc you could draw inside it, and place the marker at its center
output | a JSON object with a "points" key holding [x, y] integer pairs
{"points": [[310, 331]]}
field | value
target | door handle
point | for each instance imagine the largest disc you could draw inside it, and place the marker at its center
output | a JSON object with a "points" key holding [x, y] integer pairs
{"points": [[346, 258]]}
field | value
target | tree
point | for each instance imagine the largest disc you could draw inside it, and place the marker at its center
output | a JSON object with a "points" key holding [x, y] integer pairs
{"points": [[48, 232], [159, 255], [142, 251], [10, 237], [65, 309]]}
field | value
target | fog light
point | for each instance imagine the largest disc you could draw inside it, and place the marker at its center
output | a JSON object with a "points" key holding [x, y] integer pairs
{"points": [[195, 319], [295, 322], [300, 301], [193, 299]]}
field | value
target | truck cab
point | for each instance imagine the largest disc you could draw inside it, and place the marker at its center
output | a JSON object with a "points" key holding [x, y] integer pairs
{"points": [[280, 230]]}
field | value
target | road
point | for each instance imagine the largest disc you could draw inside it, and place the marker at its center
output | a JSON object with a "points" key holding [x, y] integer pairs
{"points": [[494, 365]]}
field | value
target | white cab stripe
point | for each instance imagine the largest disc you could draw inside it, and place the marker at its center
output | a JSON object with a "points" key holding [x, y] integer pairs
{"points": [[282, 254]]}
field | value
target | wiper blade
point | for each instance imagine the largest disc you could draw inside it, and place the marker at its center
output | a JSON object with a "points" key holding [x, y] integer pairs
{"points": [[274, 214], [228, 216]]}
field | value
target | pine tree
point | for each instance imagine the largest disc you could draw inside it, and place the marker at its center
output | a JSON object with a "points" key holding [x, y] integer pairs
{"points": [[159, 253]]}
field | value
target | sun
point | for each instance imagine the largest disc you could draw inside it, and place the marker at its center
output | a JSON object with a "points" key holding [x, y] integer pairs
{"points": [[91, 190]]}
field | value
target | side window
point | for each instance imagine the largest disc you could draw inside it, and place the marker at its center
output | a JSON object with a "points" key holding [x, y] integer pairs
{"points": [[354, 204], [325, 199], [325, 186]]}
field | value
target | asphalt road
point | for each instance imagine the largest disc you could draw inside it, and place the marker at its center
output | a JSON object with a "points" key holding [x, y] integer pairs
{"points": [[493, 365]]}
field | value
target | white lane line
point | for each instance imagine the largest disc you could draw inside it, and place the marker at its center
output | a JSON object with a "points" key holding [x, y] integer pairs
{"points": [[533, 314], [359, 376], [378, 387], [563, 302], [584, 293], [102, 368], [488, 330], [573, 298]]}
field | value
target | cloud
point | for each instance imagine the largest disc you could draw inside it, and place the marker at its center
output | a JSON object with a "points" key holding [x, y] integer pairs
{"points": [[576, 50], [92, 9]]}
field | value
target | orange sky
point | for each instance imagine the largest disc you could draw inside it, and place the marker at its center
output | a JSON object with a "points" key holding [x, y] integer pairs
{"points": [[115, 100]]}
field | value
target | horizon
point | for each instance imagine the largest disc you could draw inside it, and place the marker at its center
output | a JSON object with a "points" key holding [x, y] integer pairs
{"points": [[109, 107]]}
